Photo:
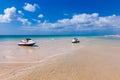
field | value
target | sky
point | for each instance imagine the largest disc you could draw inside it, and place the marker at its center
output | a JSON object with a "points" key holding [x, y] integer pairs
{"points": [[59, 17]]}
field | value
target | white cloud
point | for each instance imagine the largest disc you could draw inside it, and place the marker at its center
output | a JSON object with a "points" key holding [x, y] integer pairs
{"points": [[77, 22], [113, 21], [20, 12], [80, 19], [8, 16], [83, 22], [88, 22], [11, 14], [24, 21], [30, 7], [40, 15]]}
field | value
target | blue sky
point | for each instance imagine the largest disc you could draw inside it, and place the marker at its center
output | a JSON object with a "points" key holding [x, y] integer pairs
{"points": [[59, 17]]}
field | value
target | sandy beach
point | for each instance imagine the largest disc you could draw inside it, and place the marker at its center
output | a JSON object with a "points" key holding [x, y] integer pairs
{"points": [[59, 59]]}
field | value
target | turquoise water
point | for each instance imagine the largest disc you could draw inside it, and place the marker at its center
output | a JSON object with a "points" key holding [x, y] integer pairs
{"points": [[19, 37], [86, 40]]}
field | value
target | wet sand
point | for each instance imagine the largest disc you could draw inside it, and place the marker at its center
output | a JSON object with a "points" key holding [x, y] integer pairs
{"points": [[66, 61]]}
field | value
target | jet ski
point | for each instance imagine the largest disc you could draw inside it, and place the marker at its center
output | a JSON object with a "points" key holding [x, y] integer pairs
{"points": [[75, 40], [26, 42]]}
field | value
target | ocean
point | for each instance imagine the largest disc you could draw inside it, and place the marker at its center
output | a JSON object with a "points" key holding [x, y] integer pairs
{"points": [[37, 36], [19, 37]]}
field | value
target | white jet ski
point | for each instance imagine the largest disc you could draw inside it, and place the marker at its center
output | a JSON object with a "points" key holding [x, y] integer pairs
{"points": [[75, 40], [27, 42]]}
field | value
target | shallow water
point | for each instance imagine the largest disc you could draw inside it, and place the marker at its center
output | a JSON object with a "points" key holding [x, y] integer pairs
{"points": [[11, 52]]}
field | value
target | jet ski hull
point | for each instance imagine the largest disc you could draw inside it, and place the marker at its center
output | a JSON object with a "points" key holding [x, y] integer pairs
{"points": [[75, 41], [26, 44]]}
